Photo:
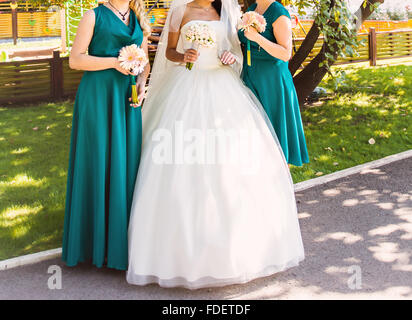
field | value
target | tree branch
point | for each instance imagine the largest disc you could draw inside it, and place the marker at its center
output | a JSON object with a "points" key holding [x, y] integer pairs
{"points": [[307, 45], [305, 48], [308, 79]]}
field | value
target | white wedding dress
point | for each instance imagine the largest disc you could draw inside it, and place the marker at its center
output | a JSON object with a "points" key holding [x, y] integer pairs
{"points": [[213, 202]]}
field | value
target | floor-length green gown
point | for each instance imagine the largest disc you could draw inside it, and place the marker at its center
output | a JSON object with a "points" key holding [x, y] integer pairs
{"points": [[104, 153], [270, 80]]}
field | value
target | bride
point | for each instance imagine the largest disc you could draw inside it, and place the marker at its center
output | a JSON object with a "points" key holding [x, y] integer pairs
{"points": [[213, 202]]}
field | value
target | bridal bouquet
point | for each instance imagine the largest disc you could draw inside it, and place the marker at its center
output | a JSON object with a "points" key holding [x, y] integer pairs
{"points": [[200, 35], [134, 59], [254, 20]]}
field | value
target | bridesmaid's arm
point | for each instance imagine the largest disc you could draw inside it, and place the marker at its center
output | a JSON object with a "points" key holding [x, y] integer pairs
{"points": [[142, 78], [79, 59], [282, 30]]}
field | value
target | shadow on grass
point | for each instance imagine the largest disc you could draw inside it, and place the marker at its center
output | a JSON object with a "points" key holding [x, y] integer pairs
{"points": [[34, 144]]}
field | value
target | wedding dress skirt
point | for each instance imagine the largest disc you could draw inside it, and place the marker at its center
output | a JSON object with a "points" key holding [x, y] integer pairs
{"points": [[214, 201]]}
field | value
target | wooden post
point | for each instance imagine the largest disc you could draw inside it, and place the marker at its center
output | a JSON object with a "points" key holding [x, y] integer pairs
{"points": [[14, 24], [63, 29], [56, 75], [373, 50], [391, 43]]}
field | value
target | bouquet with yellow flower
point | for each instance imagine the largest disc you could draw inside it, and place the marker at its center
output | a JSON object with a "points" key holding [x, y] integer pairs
{"points": [[200, 35], [134, 59], [254, 20]]}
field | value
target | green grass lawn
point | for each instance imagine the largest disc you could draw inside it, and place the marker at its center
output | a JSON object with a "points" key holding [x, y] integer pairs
{"points": [[374, 103], [34, 144]]}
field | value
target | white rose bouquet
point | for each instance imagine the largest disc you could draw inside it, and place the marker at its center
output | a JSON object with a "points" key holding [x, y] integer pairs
{"points": [[200, 35]]}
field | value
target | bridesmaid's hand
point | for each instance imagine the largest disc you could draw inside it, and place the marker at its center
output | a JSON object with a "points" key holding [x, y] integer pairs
{"points": [[119, 68], [141, 94], [251, 34], [228, 58]]}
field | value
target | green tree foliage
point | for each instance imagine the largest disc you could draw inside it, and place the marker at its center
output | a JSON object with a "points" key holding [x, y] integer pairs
{"points": [[338, 27]]}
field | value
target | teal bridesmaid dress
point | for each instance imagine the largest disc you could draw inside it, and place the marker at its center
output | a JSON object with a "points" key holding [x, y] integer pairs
{"points": [[270, 80], [104, 153]]}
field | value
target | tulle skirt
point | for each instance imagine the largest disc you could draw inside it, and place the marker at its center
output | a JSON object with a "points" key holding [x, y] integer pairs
{"points": [[213, 202]]}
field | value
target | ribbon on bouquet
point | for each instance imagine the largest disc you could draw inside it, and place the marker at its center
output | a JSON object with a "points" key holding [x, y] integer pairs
{"points": [[135, 99], [251, 19], [248, 54]]}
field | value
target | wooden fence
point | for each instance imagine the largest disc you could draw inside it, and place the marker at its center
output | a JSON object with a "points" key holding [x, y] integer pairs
{"points": [[52, 79], [34, 80], [27, 21], [22, 20], [38, 80], [378, 46], [378, 25]]}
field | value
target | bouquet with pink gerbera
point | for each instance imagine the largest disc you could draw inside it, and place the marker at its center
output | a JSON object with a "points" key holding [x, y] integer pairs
{"points": [[254, 20], [134, 59], [200, 35]]}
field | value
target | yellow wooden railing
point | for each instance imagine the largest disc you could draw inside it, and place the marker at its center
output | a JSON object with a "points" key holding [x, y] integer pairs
{"points": [[50, 79], [30, 23], [380, 26], [362, 51], [38, 24], [5, 25], [41, 23]]}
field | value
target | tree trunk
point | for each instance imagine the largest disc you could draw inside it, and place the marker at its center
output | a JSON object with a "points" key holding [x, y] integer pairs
{"points": [[310, 77], [304, 49]]}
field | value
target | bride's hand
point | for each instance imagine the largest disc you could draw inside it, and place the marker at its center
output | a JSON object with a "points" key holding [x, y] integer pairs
{"points": [[228, 58], [141, 92], [251, 34], [190, 56]]}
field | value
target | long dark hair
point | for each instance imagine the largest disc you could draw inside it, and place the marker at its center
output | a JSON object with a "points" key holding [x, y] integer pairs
{"points": [[217, 4]]}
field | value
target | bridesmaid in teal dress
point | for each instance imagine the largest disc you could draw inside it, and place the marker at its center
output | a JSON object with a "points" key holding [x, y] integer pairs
{"points": [[106, 136], [270, 80]]}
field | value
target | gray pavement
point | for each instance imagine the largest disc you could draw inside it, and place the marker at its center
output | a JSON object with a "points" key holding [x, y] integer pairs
{"points": [[364, 221]]}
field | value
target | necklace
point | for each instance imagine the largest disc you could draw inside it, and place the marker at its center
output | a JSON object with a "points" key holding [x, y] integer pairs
{"points": [[200, 7], [122, 14]]}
